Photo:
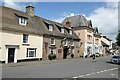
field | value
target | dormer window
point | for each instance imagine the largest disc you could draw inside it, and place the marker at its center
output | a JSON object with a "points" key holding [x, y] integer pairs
{"points": [[22, 20], [62, 30], [50, 27], [70, 31]]}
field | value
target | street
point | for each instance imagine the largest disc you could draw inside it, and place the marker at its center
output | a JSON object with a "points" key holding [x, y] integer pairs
{"points": [[71, 68]]}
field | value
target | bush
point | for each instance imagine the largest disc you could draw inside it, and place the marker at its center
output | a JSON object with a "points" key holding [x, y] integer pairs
{"points": [[72, 55], [52, 56]]}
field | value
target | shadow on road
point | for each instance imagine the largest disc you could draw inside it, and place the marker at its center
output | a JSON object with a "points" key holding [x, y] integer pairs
{"points": [[112, 63]]}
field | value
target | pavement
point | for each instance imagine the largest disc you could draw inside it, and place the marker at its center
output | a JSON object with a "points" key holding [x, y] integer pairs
{"points": [[67, 69], [28, 63]]}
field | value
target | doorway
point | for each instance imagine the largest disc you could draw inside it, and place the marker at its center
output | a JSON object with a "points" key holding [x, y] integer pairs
{"points": [[65, 51], [11, 53]]}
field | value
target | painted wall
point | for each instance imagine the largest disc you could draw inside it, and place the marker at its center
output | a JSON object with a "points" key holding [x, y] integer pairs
{"points": [[81, 34], [14, 38], [98, 45]]}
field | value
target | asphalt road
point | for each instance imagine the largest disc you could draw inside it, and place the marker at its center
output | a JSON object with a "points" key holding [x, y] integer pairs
{"points": [[72, 68]]}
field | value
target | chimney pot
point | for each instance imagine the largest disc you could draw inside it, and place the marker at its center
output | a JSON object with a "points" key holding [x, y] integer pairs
{"points": [[30, 10], [68, 23]]}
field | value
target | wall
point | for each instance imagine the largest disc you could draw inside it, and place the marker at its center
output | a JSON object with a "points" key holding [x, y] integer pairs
{"points": [[47, 41], [81, 34], [14, 38]]}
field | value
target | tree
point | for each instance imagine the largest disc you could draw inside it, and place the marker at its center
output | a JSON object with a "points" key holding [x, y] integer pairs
{"points": [[118, 39]]}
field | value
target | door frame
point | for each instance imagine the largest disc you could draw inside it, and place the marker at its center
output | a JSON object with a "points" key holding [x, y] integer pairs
{"points": [[15, 53]]}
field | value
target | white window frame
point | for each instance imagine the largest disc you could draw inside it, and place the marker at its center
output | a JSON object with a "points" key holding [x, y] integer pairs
{"points": [[50, 27], [62, 30], [52, 49], [53, 41], [22, 21], [25, 38], [73, 50], [71, 32], [65, 43], [72, 43], [31, 50]]}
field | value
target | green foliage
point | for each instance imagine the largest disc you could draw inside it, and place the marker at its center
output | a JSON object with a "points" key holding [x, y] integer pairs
{"points": [[118, 39], [52, 56]]}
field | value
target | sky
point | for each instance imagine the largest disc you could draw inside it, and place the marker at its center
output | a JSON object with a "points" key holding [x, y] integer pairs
{"points": [[104, 15]]}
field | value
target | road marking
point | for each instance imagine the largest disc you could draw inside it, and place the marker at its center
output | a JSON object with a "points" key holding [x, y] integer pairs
{"points": [[92, 73], [105, 70], [87, 74], [81, 76], [74, 77], [96, 73], [115, 75], [101, 71]]}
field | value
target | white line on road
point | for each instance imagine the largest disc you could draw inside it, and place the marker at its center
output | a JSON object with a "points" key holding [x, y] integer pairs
{"points": [[81, 76], [74, 77], [98, 72], [95, 73]]}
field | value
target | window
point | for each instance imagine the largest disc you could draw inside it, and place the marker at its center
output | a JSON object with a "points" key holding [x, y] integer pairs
{"points": [[50, 27], [22, 21], [70, 31], [72, 43], [72, 51], [31, 52], [89, 37], [52, 41], [62, 30], [65, 42], [96, 41], [52, 51], [25, 38]]}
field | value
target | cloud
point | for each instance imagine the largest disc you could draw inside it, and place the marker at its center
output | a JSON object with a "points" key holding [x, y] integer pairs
{"points": [[106, 18], [14, 5], [64, 15]]}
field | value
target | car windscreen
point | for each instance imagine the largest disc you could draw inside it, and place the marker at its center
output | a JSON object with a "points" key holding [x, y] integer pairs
{"points": [[116, 57]]}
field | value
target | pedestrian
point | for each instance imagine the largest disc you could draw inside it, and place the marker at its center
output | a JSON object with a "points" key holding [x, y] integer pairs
{"points": [[93, 57]]}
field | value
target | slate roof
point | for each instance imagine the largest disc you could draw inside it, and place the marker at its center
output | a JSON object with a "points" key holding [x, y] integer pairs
{"points": [[36, 25], [78, 20]]}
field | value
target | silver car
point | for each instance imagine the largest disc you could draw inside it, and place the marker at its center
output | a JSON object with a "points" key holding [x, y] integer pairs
{"points": [[115, 59]]}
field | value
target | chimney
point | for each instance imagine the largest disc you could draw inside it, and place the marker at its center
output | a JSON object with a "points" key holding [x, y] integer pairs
{"points": [[30, 10], [68, 23]]}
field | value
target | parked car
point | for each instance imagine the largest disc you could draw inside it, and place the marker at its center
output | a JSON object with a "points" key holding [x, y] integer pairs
{"points": [[115, 59]]}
